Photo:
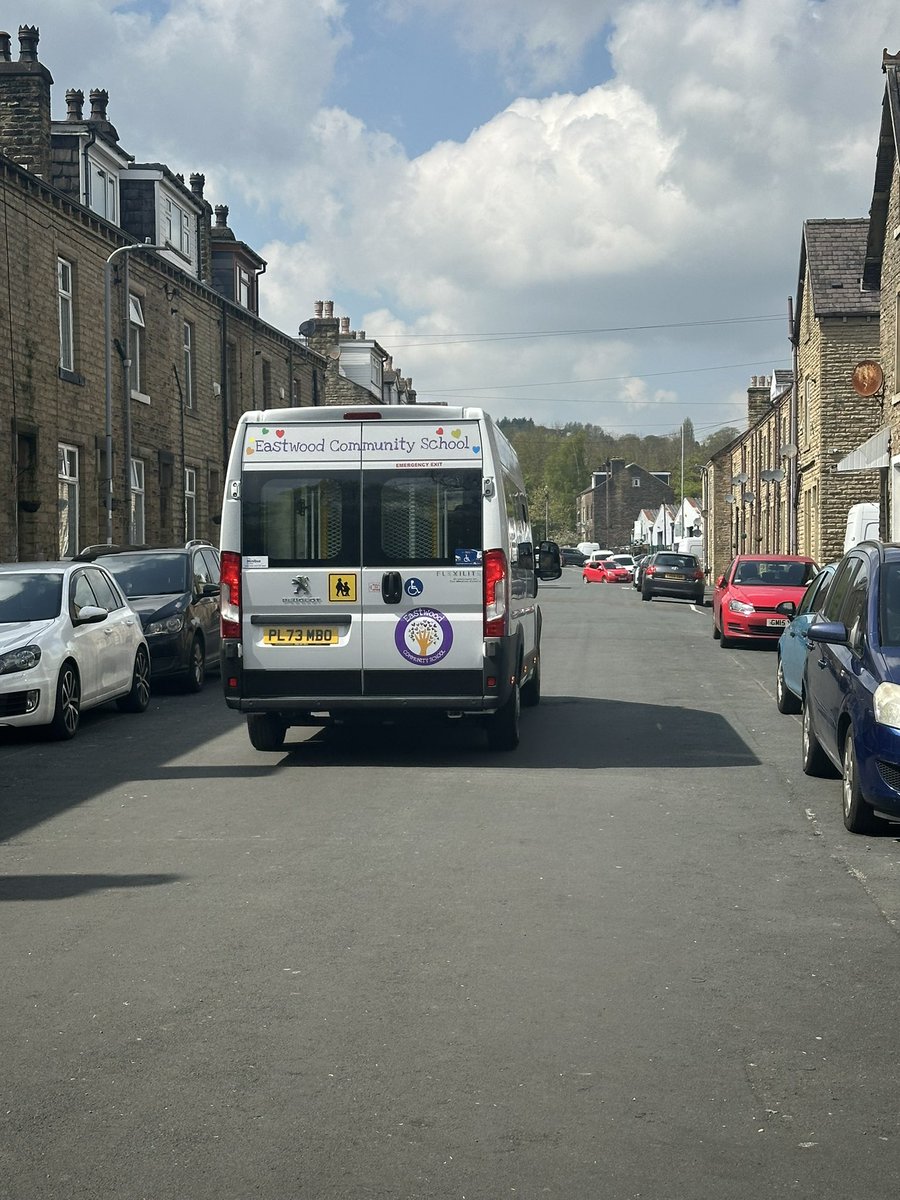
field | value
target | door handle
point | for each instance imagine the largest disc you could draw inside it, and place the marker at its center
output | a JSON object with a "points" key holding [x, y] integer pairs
{"points": [[391, 587]]}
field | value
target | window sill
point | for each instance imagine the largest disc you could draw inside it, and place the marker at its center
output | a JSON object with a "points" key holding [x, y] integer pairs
{"points": [[68, 376], [140, 397]]}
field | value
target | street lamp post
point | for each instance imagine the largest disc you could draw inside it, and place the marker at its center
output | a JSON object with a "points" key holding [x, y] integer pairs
{"points": [[107, 335]]}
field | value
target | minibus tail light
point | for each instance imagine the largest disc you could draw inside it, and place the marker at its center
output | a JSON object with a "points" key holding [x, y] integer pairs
{"points": [[230, 578], [496, 594]]}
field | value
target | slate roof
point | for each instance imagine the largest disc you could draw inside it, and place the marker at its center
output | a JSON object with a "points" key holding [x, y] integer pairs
{"points": [[888, 142], [835, 251]]}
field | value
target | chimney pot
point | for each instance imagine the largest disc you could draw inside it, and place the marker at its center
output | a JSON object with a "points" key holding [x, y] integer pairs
{"points": [[345, 325], [29, 35], [221, 211], [361, 334], [99, 98], [5, 41], [198, 182], [317, 308], [329, 308], [75, 104]]}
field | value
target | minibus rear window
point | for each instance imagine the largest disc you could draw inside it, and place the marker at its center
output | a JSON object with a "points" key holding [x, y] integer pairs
{"points": [[303, 519], [421, 518]]}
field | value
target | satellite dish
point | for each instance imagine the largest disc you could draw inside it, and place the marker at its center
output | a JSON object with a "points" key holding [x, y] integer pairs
{"points": [[789, 451], [748, 497], [867, 378], [777, 475], [729, 499]]}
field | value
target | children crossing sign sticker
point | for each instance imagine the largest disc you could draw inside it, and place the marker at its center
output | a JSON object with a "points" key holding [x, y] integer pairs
{"points": [[342, 587]]}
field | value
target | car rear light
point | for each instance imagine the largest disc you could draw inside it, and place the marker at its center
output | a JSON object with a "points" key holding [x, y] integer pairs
{"points": [[698, 574], [649, 570], [496, 594], [230, 578]]}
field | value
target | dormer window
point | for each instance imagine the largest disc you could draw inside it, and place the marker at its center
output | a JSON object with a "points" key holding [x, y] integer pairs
{"points": [[176, 227], [103, 191], [244, 287]]}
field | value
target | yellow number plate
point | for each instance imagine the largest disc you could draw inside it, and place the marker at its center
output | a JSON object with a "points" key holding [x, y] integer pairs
{"points": [[300, 635]]}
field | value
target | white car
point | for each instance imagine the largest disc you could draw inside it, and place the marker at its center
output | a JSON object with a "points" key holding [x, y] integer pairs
{"points": [[68, 641], [625, 560]]}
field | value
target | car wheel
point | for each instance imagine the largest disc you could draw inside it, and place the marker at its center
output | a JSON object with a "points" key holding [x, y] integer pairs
{"points": [[716, 633], [137, 700], [815, 760], [531, 692], [266, 731], [503, 727], [646, 594], [725, 642], [67, 713], [700, 599], [859, 816], [785, 699], [196, 672]]}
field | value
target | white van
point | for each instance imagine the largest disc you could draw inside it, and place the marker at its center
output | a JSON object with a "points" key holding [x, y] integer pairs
{"points": [[691, 545], [377, 560], [862, 525]]}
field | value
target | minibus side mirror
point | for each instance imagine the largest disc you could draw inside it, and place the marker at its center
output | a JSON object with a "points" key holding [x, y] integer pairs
{"points": [[525, 556], [549, 561]]}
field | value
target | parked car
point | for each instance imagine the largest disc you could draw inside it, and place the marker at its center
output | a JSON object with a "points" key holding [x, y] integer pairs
{"points": [[746, 596], [793, 643], [639, 569], [68, 641], [851, 685], [669, 573], [605, 571], [571, 557], [176, 592], [625, 560]]}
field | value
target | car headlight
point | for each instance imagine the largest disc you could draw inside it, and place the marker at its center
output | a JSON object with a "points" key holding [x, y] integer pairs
{"points": [[170, 625], [739, 606], [22, 659], [886, 702]]}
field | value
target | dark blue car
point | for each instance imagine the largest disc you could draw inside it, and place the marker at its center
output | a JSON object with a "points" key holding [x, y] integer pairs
{"points": [[793, 643], [851, 685]]}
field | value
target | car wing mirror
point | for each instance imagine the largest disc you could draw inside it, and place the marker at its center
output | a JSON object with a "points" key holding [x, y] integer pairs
{"points": [[90, 614], [832, 632], [787, 608]]}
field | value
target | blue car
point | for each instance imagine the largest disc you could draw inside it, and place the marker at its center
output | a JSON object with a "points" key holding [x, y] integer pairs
{"points": [[793, 643], [851, 685]]}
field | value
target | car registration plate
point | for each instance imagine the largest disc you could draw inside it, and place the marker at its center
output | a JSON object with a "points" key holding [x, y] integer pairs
{"points": [[778, 622], [673, 576], [300, 635]]}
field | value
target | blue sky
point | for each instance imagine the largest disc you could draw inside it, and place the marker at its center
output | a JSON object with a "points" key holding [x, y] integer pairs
{"points": [[586, 211]]}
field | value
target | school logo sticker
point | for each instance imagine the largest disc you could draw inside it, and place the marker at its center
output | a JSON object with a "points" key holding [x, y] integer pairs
{"points": [[423, 636]]}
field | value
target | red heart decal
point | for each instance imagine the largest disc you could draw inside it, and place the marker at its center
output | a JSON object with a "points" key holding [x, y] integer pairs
{"points": [[279, 433], [440, 431]]}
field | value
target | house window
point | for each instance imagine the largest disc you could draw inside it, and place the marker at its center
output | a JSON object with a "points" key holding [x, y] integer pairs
{"points": [[66, 315], [190, 503], [136, 346], [807, 406], [67, 473], [176, 227], [103, 187], [243, 287], [188, 385], [138, 507], [635, 481]]}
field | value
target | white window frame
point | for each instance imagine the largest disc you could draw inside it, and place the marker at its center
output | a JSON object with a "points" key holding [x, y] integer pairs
{"points": [[103, 191], [190, 503], [68, 498], [244, 286], [176, 224], [136, 323], [138, 516], [66, 302], [187, 334]]}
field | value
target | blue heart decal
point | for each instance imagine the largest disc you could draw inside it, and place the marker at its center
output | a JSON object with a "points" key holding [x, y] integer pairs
{"points": [[476, 449]]}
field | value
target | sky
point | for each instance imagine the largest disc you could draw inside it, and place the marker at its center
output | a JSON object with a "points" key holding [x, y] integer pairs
{"points": [[587, 211]]}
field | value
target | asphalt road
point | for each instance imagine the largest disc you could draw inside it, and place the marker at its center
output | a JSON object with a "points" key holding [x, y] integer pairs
{"points": [[638, 957]]}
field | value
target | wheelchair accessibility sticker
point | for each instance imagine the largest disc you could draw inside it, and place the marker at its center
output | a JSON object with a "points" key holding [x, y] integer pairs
{"points": [[414, 587], [423, 636]]}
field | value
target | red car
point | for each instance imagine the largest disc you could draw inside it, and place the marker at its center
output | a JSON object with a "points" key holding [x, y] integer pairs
{"points": [[605, 571], [746, 597]]}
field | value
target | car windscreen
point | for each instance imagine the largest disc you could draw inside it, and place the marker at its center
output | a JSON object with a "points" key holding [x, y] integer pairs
{"points": [[30, 597], [150, 575], [774, 573], [889, 615]]}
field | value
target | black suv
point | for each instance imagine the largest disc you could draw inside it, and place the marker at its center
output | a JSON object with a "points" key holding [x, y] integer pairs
{"points": [[175, 591]]}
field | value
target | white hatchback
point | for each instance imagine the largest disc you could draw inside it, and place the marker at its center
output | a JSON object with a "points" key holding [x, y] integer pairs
{"points": [[68, 641]]}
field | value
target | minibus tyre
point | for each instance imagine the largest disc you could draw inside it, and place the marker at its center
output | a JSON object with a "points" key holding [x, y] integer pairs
{"points": [[503, 726], [266, 731]]}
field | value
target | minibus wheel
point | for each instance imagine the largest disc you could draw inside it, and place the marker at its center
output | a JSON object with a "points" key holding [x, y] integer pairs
{"points": [[503, 727], [266, 731]]}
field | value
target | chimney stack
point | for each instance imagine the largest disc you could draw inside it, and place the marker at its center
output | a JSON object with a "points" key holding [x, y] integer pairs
{"points": [[25, 104]]}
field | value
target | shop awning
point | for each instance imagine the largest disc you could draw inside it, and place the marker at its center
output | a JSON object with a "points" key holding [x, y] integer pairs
{"points": [[874, 452]]}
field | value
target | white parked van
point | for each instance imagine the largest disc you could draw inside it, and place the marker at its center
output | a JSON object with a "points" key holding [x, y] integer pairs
{"points": [[377, 560], [862, 524]]}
